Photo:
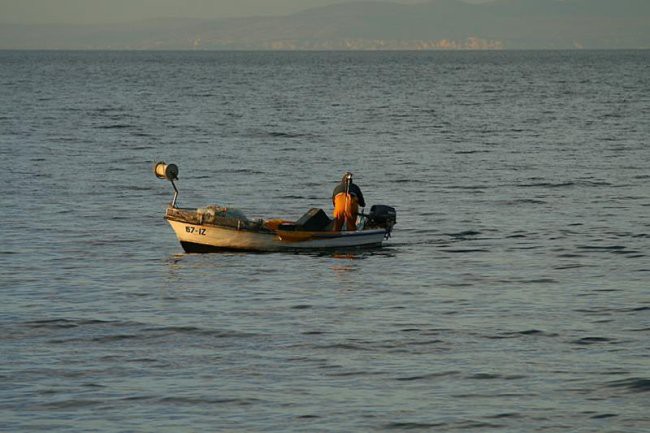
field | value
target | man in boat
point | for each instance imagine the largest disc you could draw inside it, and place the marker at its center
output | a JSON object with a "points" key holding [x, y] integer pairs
{"points": [[346, 198]]}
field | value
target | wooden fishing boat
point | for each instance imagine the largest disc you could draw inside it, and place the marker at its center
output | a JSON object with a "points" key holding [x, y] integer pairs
{"points": [[216, 228]]}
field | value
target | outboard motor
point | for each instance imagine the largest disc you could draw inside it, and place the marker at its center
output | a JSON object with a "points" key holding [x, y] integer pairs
{"points": [[382, 216]]}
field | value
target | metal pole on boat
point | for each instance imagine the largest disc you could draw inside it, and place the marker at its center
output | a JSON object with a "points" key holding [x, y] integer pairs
{"points": [[175, 193], [348, 181]]}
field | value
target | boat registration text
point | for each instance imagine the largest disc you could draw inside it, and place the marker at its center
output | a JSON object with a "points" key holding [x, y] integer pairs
{"points": [[195, 230]]}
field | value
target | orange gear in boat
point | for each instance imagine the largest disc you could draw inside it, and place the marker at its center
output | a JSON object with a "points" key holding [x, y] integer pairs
{"points": [[346, 209]]}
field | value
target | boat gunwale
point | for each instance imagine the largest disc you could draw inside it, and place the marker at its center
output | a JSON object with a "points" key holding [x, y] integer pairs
{"points": [[316, 235], [261, 230]]}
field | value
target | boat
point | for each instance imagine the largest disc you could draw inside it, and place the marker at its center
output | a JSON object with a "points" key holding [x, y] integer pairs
{"points": [[216, 228]]}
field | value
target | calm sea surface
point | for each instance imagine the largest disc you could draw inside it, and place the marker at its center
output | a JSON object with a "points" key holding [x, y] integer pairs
{"points": [[514, 295]]}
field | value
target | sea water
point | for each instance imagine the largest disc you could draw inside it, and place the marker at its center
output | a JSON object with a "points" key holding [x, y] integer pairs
{"points": [[513, 296]]}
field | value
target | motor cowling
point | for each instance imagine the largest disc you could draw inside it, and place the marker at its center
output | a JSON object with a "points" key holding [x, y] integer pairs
{"points": [[381, 216]]}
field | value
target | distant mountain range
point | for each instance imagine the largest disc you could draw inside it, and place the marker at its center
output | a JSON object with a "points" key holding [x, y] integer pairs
{"points": [[367, 25]]}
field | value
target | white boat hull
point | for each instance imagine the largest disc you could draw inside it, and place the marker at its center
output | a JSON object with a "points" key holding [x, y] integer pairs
{"points": [[207, 237]]}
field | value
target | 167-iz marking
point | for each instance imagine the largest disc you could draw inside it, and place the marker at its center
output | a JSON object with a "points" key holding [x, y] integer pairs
{"points": [[190, 229]]}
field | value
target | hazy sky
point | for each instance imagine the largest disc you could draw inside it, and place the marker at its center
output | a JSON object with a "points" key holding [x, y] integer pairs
{"points": [[103, 11]]}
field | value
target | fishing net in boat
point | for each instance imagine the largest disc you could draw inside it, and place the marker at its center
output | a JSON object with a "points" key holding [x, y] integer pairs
{"points": [[211, 213]]}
